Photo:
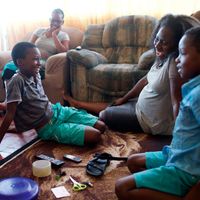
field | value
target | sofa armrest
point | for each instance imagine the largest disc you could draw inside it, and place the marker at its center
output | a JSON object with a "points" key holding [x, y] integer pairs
{"points": [[53, 82], [86, 57], [55, 63], [146, 60]]}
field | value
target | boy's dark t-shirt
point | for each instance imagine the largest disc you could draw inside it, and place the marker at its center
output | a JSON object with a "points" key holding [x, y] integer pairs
{"points": [[33, 105]]}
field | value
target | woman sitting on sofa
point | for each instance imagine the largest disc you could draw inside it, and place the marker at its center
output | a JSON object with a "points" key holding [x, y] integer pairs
{"points": [[152, 104], [51, 40]]}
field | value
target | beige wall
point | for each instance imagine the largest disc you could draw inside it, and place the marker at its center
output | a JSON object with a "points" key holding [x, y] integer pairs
{"points": [[82, 13]]}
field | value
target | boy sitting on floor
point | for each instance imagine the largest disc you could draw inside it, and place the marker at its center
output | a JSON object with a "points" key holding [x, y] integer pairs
{"points": [[30, 108]]}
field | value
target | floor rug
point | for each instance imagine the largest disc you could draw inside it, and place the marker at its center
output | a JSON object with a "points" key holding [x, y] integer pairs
{"points": [[117, 144]]}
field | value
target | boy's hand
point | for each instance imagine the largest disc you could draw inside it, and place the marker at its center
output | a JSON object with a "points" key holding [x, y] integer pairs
{"points": [[1, 157], [55, 32]]}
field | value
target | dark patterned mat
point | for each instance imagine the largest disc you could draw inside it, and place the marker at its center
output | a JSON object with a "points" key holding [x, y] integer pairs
{"points": [[117, 144]]}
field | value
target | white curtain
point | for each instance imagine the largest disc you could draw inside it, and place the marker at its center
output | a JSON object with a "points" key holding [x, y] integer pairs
{"points": [[23, 16]]}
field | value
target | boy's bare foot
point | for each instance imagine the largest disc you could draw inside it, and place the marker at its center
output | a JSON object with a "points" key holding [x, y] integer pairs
{"points": [[72, 102]]}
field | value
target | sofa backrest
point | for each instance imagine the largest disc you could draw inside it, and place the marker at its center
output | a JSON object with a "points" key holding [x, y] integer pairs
{"points": [[75, 35], [121, 40], [196, 15]]}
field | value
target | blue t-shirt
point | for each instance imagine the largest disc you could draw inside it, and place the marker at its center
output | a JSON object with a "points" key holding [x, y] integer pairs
{"points": [[184, 151]]}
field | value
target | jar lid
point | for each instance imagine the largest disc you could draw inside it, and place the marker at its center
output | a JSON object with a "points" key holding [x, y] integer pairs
{"points": [[18, 188]]}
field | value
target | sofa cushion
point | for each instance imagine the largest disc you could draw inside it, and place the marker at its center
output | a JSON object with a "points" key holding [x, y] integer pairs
{"points": [[196, 15], [120, 75], [126, 38], [92, 38], [86, 57]]}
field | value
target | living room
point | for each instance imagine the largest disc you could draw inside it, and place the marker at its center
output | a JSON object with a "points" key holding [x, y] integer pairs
{"points": [[82, 20]]}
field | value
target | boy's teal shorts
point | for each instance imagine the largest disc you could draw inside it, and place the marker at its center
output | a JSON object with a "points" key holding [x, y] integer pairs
{"points": [[163, 178], [67, 125]]}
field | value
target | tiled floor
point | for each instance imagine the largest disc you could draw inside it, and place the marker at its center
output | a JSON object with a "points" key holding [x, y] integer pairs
{"points": [[13, 141]]}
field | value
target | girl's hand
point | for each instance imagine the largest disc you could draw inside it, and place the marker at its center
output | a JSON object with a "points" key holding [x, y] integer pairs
{"points": [[118, 102]]}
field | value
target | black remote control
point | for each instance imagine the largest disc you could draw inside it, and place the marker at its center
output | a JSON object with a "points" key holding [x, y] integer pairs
{"points": [[54, 162], [72, 158]]}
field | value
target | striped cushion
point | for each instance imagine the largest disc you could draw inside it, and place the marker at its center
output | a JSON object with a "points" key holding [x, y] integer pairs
{"points": [[112, 79], [121, 40], [86, 57]]}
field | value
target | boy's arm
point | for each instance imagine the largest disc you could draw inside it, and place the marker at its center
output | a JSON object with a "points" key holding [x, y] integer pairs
{"points": [[10, 113], [176, 97], [175, 87]]}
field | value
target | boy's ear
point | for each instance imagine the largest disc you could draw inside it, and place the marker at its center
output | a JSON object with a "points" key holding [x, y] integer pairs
{"points": [[19, 61]]}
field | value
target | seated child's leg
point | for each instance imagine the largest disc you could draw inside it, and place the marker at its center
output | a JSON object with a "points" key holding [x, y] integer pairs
{"points": [[194, 193], [165, 182], [136, 162], [92, 135], [100, 125], [76, 116], [73, 115], [72, 126], [125, 189], [167, 179], [123, 186], [142, 161], [70, 133]]}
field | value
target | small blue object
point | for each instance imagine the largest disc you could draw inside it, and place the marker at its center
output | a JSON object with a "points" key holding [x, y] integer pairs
{"points": [[18, 188]]}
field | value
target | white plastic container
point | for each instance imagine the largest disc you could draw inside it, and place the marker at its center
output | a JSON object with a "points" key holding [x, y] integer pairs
{"points": [[41, 168]]}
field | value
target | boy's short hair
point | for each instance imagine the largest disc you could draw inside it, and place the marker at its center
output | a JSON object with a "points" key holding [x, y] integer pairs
{"points": [[20, 49], [194, 37]]}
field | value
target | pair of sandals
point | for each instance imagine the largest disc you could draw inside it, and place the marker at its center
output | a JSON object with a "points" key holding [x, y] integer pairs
{"points": [[97, 166]]}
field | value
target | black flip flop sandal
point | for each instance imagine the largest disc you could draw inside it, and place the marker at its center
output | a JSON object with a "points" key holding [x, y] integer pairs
{"points": [[97, 166], [109, 156]]}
